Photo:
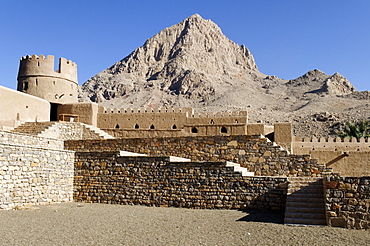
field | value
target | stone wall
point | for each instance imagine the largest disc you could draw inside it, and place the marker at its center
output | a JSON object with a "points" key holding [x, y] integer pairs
{"points": [[11, 138], [154, 181], [34, 171], [348, 202], [257, 154]]}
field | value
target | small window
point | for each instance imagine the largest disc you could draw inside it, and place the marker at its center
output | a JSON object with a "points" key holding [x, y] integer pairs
{"points": [[117, 126], [236, 121], [223, 130], [152, 127], [71, 95], [38, 63], [54, 82], [25, 86], [137, 126], [174, 127], [37, 82], [212, 122], [194, 130]]}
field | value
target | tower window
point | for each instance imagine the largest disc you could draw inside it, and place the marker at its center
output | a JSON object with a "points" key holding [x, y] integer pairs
{"points": [[194, 130], [37, 82], [137, 126], [152, 127], [117, 126], [25, 86], [54, 82], [212, 122], [174, 127]]}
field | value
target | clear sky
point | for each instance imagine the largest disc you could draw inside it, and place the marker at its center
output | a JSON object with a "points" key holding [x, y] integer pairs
{"points": [[286, 37]]}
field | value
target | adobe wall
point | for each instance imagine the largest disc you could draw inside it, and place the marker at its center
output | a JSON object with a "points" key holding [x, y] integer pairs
{"points": [[87, 112], [351, 163], [305, 145], [165, 118], [257, 154], [154, 181], [348, 202], [34, 171], [348, 157], [37, 77], [18, 107]]}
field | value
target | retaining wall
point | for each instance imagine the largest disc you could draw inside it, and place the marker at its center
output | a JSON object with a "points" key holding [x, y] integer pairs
{"points": [[348, 202], [155, 181], [257, 154], [34, 171]]}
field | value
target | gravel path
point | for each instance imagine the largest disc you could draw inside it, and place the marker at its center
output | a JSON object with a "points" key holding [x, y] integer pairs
{"points": [[102, 224]]}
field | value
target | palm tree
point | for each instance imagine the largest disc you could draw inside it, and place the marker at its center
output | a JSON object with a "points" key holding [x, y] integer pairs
{"points": [[357, 130]]}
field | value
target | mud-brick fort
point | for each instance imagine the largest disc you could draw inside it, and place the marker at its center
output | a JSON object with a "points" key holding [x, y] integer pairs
{"points": [[55, 149]]}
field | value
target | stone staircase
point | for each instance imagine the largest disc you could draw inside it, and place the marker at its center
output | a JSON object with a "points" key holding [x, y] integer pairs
{"points": [[98, 131], [33, 128], [305, 204], [59, 130], [237, 168]]}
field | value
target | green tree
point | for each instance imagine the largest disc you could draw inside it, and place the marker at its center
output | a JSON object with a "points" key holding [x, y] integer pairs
{"points": [[356, 130]]}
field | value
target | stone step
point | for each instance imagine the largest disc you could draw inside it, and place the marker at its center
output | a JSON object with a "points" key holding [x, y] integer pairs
{"points": [[305, 200], [298, 221], [304, 204], [306, 195], [237, 168], [305, 210], [292, 215]]}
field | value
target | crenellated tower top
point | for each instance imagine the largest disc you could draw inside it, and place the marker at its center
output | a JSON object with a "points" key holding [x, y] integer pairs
{"points": [[37, 77]]}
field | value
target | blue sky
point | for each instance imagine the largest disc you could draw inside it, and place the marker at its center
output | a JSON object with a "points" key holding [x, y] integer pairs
{"points": [[287, 38]]}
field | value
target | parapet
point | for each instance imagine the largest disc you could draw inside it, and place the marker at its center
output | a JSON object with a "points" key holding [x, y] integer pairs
{"points": [[32, 66], [147, 110]]}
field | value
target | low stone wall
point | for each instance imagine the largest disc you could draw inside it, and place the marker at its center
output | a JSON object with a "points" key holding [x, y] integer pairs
{"points": [[12, 138], [348, 202], [69, 131], [154, 181], [257, 154], [34, 175]]}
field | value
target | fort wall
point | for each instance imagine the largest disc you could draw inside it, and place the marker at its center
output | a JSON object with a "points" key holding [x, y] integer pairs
{"points": [[19, 107], [155, 181], [257, 154], [37, 77], [34, 171], [348, 202]]}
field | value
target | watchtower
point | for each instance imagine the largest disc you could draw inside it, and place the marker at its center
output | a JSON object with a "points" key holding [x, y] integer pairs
{"points": [[37, 77]]}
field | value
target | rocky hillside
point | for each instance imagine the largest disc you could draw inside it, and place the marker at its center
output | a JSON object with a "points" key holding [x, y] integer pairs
{"points": [[193, 64]]}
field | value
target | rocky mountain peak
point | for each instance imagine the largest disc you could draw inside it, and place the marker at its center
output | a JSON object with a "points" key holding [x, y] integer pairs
{"points": [[338, 85]]}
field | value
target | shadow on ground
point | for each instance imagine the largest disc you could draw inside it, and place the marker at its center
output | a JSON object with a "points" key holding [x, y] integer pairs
{"points": [[263, 216]]}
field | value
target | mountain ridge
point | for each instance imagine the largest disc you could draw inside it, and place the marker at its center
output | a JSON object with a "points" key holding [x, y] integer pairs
{"points": [[193, 64]]}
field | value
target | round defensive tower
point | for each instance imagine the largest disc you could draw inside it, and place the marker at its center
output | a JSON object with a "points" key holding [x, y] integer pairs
{"points": [[37, 77]]}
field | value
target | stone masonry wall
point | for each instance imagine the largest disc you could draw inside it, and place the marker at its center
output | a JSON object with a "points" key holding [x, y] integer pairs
{"points": [[34, 171], [154, 181], [27, 140], [253, 152], [348, 202]]}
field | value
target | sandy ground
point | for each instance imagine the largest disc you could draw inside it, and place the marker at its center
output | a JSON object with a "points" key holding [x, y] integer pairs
{"points": [[101, 224]]}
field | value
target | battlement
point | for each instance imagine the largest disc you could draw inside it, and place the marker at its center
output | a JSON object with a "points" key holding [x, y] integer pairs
{"points": [[188, 110], [49, 58], [38, 77], [147, 110], [332, 140], [41, 66]]}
